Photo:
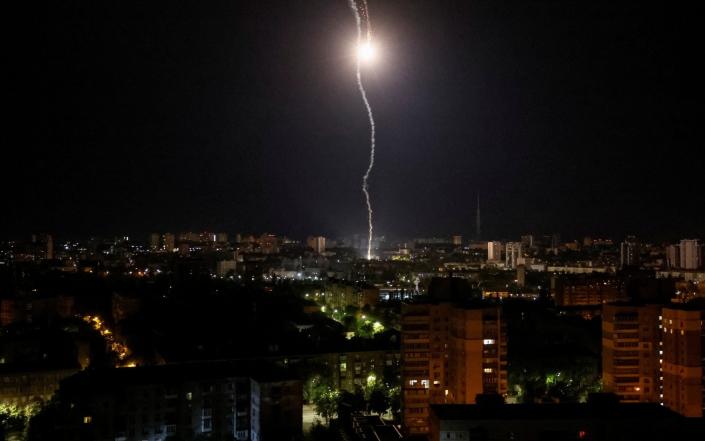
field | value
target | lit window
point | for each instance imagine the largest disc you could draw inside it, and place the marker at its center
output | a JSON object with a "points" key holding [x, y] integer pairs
{"points": [[487, 370], [413, 382], [488, 341], [425, 383], [206, 420], [87, 419]]}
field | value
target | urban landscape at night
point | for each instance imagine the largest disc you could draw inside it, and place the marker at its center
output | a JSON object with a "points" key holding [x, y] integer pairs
{"points": [[208, 336], [354, 220]]}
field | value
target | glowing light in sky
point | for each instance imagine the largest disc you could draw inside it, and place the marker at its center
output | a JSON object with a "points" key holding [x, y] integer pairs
{"points": [[365, 52]]}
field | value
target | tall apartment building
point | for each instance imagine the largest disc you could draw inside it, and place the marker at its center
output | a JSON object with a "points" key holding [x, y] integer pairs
{"points": [[673, 256], [316, 243], [154, 241], [186, 401], [631, 351], [690, 257], [494, 251], [513, 255], [451, 352], [629, 253], [169, 241], [684, 358], [585, 290]]}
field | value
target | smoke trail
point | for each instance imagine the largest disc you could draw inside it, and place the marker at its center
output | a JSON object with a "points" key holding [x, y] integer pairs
{"points": [[366, 176]]}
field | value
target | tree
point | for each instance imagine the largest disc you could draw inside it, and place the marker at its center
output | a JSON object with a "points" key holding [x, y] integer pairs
{"points": [[326, 404], [378, 401], [314, 386]]}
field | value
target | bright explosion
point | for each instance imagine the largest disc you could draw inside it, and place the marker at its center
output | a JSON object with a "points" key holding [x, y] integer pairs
{"points": [[366, 52]]}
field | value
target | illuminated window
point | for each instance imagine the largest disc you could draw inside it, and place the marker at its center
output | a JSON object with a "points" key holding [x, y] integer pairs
{"points": [[487, 370], [413, 382], [87, 419], [425, 383], [488, 341], [207, 419]]}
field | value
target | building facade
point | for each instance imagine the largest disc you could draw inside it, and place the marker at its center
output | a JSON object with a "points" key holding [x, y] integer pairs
{"points": [[187, 402], [513, 255], [629, 253], [684, 359], [317, 243], [690, 251], [631, 350], [450, 354], [494, 251]]}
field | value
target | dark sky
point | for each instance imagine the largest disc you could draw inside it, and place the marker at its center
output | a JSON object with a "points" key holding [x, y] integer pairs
{"points": [[582, 117]]}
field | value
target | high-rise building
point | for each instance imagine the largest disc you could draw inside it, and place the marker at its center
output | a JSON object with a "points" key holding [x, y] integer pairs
{"points": [[584, 290], [494, 251], [521, 275], [513, 255], [673, 256], [690, 254], [43, 246], [684, 358], [269, 244], [317, 243], [451, 352], [169, 241], [631, 351], [629, 253], [177, 401], [154, 241], [555, 242]]}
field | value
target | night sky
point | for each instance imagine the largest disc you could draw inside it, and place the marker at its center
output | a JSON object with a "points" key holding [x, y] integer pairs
{"points": [[580, 117]]}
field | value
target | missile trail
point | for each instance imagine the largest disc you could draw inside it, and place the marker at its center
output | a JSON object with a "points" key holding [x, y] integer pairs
{"points": [[363, 94]]}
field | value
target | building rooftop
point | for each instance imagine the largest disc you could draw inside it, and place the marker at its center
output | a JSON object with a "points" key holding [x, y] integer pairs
{"points": [[583, 411], [174, 373]]}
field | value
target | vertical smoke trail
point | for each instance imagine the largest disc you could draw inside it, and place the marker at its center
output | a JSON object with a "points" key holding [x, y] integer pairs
{"points": [[366, 176]]}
